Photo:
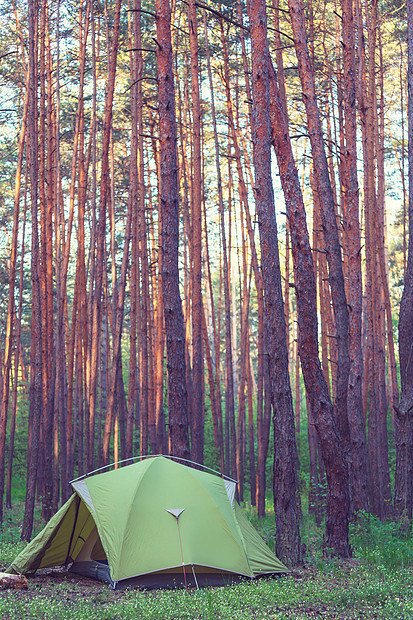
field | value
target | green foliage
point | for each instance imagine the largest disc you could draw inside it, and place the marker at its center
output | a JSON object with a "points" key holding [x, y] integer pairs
{"points": [[381, 545]]}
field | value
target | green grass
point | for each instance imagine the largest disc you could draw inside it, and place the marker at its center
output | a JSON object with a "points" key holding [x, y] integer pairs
{"points": [[376, 583]]}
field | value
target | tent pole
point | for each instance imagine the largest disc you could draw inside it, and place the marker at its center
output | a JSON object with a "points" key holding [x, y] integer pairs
{"points": [[149, 456]]}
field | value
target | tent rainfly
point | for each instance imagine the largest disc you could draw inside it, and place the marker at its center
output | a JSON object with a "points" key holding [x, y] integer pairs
{"points": [[155, 523]]}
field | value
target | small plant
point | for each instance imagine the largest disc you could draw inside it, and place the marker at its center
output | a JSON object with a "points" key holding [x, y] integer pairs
{"points": [[381, 544]]}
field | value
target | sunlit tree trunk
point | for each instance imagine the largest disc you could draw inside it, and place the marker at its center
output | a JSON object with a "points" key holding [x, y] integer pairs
{"points": [[221, 209], [101, 231], [35, 407], [134, 21], [197, 409], [355, 406], [379, 481], [148, 428], [115, 380], [244, 364], [8, 349]]}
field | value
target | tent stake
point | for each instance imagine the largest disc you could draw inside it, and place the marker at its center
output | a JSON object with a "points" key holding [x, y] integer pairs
{"points": [[196, 580]]}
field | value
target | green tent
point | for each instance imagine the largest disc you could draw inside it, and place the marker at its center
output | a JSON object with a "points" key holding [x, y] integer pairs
{"points": [[156, 523]]}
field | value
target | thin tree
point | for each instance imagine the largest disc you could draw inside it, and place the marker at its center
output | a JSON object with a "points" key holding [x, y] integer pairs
{"points": [[8, 349], [197, 405], [35, 408], [351, 200], [101, 230]]}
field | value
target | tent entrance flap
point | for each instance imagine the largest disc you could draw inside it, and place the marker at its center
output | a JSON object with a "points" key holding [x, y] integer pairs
{"points": [[92, 550]]}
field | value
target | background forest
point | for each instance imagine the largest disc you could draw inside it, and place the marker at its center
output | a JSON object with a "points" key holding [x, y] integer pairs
{"points": [[171, 283]]}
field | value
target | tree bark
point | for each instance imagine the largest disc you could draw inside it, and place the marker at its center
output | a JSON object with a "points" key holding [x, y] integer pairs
{"points": [[174, 324], [6, 367], [35, 407], [197, 407], [337, 518], [15, 582], [351, 200], [403, 497], [101, 231], [288, 543], [329, 222]]}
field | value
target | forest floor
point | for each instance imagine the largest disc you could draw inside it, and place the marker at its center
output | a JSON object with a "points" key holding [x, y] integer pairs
{"points": [[376, 584]]}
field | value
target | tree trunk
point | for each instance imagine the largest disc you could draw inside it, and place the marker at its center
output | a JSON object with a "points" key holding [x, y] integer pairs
{"points": [[337, 518], [351, 200], [16, 582], [35, 407], [403, 496], [197, 408], [174, 325], [101, 231], [288, 543], [10, 305], [329, 222]]}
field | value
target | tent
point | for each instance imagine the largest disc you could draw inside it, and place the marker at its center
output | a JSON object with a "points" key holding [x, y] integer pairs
{"points": [[155, 523]]}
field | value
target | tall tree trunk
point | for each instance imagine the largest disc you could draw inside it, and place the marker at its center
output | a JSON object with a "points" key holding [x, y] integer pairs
{"points": [[10, 304], [101, 231], [355, 405], [337, 518], [251, 431], [35, 407], [329, 222], [113, 392], [148, 430], [403, 496], [288, 543], [197, 407], [218, 405], [18, 331], [379, 480], [174, 325], [134, 23]]}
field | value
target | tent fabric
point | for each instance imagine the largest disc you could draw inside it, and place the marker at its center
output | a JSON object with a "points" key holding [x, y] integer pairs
{"points": [[60, 540], [137, 535]]}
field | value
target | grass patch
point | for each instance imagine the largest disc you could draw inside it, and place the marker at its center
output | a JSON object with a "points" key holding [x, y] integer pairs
{"points": [[376, 583]]}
